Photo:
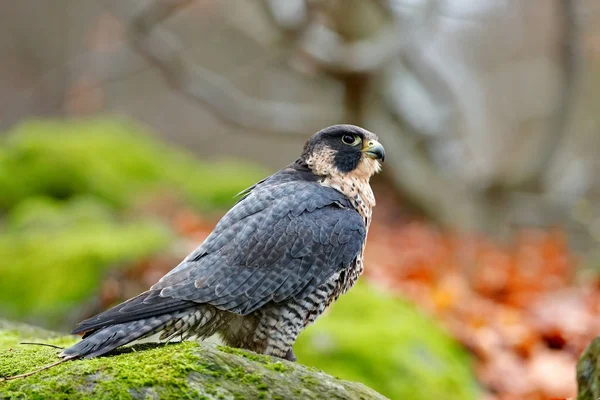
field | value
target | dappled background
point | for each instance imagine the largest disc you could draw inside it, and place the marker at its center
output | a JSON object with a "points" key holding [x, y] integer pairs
{"points": [[127, 128]]}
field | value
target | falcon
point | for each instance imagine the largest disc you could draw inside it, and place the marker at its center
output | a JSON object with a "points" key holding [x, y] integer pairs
{"points": [[289, 247]]}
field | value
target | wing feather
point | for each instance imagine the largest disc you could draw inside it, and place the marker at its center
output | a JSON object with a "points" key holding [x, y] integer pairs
{"points": [[273, 263], [285, 237]]}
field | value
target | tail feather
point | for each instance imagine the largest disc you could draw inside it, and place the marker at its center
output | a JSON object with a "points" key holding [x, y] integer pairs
{"points": [[110, 337], [143, 306]]}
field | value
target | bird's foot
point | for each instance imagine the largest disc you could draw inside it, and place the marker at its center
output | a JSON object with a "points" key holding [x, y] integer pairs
{"points": [[290, 356]]}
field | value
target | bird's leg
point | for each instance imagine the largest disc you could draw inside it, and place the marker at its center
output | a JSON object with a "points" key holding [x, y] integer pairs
{"points": [[290, 356], [277, 330]]}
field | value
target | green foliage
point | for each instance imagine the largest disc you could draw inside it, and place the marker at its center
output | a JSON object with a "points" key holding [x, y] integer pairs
{"points": [[71, 206], [113, 161], [385, 343], [53, 254]]}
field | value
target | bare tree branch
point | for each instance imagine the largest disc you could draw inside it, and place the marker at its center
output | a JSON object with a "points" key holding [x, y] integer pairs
{"points": [[571, 54], [211, 89], [413, 173], [391, 39], [571, 57]]}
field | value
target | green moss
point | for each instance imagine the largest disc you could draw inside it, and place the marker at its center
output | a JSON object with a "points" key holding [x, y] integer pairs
{"points": [[246, 354], [174, 371], [131, 369], [73, 197], [308, 380], [277, 366], [267, 361], [53, 254], [116, 161], [92, 378], [384, 342]]}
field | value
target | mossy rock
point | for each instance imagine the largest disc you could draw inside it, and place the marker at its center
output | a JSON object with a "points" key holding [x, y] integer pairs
{"points": [[174, 371], [384, 342], [588, 372]]}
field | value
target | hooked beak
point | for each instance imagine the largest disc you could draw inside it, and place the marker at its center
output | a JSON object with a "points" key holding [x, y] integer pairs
{"points": [[375, 150]]}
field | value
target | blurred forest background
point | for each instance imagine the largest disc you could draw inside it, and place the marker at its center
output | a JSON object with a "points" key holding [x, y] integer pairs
{"points": [[127, 127]]}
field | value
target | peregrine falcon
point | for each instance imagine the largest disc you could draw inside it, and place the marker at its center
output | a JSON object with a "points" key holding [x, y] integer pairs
{"points": [[288, 248]]}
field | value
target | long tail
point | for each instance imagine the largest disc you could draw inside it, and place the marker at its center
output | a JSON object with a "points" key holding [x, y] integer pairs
{"points": [[201, 321], [109, 338]]}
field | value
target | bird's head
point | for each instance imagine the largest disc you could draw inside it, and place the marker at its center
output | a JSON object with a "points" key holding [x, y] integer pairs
{"points": [[343, 149]]}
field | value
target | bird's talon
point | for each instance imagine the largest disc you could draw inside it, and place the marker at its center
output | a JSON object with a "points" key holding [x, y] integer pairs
{"points": [[290, 356]]}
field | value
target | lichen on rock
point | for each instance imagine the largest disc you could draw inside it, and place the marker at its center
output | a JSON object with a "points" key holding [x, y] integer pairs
{"points": [[588, 372], [152, 371]]}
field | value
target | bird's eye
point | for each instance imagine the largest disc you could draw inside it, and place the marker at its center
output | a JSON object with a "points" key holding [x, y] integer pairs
{"points": [[351, 139]]}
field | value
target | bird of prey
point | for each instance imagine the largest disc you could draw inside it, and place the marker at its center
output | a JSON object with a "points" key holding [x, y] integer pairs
{"points": [[288, 248]]}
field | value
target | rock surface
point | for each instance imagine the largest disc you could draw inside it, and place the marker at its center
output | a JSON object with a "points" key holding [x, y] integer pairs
{"points": [[149, 371], [588, 372]]}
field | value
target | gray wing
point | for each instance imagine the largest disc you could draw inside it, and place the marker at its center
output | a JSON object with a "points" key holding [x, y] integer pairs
{"points": [[280, 241], [275, 244]]}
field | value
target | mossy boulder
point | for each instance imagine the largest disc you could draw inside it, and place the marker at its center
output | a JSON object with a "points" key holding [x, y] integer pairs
{"points": [[174, 371], [588, 372], [384, 342]]}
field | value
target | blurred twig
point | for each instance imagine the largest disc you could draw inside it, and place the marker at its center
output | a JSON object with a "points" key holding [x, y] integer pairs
{"points": [[43, 344], [412, 171], [211, 89], [571, 58], [335, 52], [353, 54]]}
